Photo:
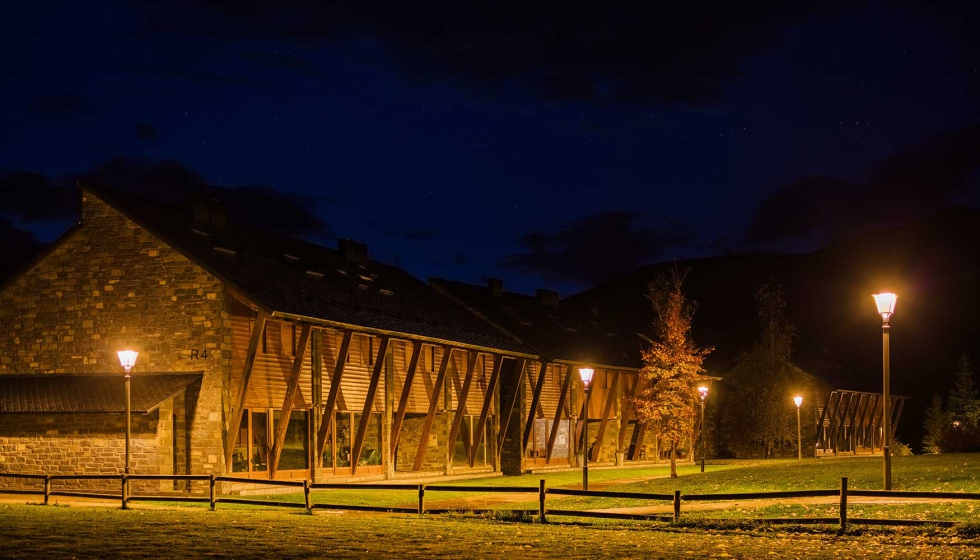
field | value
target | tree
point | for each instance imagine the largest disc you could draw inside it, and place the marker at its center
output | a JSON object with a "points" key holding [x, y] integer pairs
{"points": [[964, 405], [673, 363], [936, 424], [761, 416]]}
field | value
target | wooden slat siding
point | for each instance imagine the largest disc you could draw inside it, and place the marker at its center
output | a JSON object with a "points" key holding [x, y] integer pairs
{"points": [[565, 388], [606, 410], [271, 370], [897, 415], [510, 402], [379, 364], [456, 388], [335, 381], [535, 403], [239, 407], [624, 423], [413, 365], [434, 399], [491, 388], [472, 358], [288, 398]]}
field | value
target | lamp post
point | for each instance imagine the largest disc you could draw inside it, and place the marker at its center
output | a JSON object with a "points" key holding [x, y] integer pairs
{"points": [[127, 359], [586, 376], [799, 432], [703, 394], [886, 308]]}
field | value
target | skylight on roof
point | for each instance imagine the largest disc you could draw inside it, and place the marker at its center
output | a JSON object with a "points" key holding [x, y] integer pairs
{"points": [[199, 232], [226, 250], [290, 257], [386, 292], [315, 273]]}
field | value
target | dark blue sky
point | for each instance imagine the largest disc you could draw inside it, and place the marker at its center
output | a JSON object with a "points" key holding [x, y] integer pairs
{"points": [[547, 145]]}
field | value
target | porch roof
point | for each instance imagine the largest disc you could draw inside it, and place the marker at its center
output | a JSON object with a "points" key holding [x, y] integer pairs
{"points": [[100, 393]]}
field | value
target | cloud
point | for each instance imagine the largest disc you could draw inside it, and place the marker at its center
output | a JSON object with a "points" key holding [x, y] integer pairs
{"points": [[903, 186], [145, 131], [34, 197], [62, 105], [598, 247], [417, 235], [643, 52]]}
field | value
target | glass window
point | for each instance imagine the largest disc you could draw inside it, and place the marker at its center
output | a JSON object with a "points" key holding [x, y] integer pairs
{"points": [[342, 423], [371, 448], [239, 456], [295, 448], [260, 441]]}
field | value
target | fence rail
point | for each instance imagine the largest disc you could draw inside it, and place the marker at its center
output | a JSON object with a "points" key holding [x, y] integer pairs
{"points": [[676, 499]]}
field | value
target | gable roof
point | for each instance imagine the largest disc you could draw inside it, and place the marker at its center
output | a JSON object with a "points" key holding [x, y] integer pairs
{"points": [[296, 279], [89, 393], [566, 333]]}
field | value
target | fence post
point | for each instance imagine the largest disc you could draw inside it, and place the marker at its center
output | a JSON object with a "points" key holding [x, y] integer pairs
{"points": [[306, 495], [47, 488], [125, 486], [214, 498], [677, 505], [843, 504], [541, 494], [421, 499]]}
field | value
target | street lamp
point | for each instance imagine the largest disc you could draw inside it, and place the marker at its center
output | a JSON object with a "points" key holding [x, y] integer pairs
{"points": [[127, 359], [586, 375], [799, 432], [886, 308], [703, 394]]}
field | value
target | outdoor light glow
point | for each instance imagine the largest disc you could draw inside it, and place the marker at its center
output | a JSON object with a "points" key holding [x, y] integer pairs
{"points": [[798, 401], [886, 304], [127, 359], [703, 392], [586, 374]]}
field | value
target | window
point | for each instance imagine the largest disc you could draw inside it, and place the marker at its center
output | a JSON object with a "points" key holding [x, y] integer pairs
{"points": [[253, 445]]}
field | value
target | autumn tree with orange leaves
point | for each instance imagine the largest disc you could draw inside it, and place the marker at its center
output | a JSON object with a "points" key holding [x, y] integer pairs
{"points": [[673, 365]]}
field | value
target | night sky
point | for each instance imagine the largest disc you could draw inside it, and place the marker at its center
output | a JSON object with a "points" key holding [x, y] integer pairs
{"points": [[540, 143]]}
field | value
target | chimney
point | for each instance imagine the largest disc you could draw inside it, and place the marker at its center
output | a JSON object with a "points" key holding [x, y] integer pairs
{"points": [[353, 252], [496, 287], [594, 307], [548, 298]]}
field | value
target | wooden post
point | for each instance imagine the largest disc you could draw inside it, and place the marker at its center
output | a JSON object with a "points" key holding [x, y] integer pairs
{"points": [[287, 403], [388, 458], [535, 400], [213, 495], [488, 399], [610, 397], [239, 405], [124, 478], [316, 391], [338, 376], [447, 353], [379, 362], [843, 504], [306, 496], [565, 388], [396, 427], [627, 412], [47, 488], [461, 397], [508, 409], [421, 499], [541, 495], [677, 505]]}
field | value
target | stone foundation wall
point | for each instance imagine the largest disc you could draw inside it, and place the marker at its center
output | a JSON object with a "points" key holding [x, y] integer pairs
{"points": [[408, 443], [111, 285]]}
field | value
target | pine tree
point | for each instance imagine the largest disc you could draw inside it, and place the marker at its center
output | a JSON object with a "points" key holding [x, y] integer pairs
{"points": [[936, 424], [673, 363], [964, 406]]}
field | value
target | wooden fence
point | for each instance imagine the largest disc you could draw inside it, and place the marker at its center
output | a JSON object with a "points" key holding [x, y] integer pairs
{"points": [[542, 512]]}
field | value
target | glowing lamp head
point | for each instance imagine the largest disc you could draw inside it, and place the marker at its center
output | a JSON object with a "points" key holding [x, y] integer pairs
{"points": [[703, 392], [127, 359], [886, 304], [586, 375], [798, 401]]}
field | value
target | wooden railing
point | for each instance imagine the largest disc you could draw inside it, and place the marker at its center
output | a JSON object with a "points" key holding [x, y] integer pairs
{"points": [[675, 499]]}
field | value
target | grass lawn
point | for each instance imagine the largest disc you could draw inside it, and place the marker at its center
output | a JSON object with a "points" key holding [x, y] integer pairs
{"points": [[71, 532]]}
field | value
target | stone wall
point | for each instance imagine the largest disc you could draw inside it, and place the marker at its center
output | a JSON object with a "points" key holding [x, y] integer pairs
{"points": [[408, 443], [111, 285]]}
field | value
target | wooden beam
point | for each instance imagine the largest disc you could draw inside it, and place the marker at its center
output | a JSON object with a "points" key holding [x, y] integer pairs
{"points": [[862, 417], [316, 391], [641, 429], [511, 402], [461, 397], [433, 405], [610, 398], [832, 406], [238, 408], [498, 362], [565, 388], [335, 380], [413, 365], [896, 415], [627, 412], [535, 399], [379, 364], [852, 435], [874, 421], [287, 403]]}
